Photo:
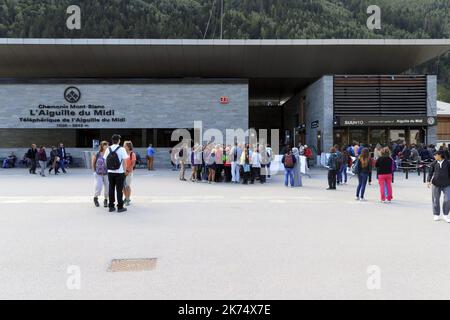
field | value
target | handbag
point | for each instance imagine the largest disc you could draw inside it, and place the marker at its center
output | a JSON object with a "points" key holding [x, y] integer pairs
{"points": [[246, 167]]}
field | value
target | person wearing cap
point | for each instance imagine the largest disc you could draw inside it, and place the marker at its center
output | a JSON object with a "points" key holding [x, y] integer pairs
{"points": [[439, 182], [116, 177]]}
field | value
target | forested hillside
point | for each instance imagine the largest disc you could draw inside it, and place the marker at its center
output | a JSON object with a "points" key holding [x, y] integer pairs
{"points": [[248, 19]]}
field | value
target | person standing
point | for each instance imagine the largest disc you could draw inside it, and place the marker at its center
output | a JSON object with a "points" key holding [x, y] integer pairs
{"points": [[385, 167], [100, 175], [31, 155], [269, 153], [62, 155], [236, 153], [332, 166], [227, 164], [297, 169], [246, 165], [288, 160], [115, 156], [150, 157], [439, 182], [42, 157], [346, 163], [211, 165], [130, 164], [363, 169], [181, 159], [255, 162]]}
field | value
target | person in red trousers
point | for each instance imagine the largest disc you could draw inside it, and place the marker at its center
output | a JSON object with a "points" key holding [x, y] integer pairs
{"points": [[384, 167]]}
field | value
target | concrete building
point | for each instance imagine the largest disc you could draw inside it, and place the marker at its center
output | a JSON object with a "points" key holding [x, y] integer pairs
{"points": [[316, 91]]}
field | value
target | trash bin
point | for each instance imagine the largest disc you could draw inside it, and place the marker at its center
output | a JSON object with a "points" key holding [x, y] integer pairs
{"points": [[88, 158]]}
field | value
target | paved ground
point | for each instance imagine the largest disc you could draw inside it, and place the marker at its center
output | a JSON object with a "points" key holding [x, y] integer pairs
{"points": [[220, 241]]}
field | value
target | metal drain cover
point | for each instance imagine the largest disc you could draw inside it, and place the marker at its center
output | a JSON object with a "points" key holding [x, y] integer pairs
{"points": [[126, 265]]}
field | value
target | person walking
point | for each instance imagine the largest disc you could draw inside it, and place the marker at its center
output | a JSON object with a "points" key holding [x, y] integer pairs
{"points": [[297, 170], [42, 158], [115, 156], [31, 155], [236, 153], [384, 168], [332, 166], [150, 157], [62, 155], [439, 182], [288, 160], [100, 175], [129, 164], [227, 164], [54, 160], [363, 167]]}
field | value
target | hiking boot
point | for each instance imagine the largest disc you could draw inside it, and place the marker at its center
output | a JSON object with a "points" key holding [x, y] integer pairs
{"points": [[112, 209], [122, 210], [96, 202]]}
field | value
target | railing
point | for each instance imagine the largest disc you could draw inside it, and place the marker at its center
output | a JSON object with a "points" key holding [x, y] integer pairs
{"points": [[419, 166]]}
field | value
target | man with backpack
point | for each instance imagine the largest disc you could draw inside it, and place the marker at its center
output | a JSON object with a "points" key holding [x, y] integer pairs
{"points": [[288, 160], [439, 182], [115, 156], [332, 165]]}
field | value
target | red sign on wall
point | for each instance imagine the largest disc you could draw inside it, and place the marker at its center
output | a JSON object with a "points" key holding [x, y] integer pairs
{"points": [[224, 100]]}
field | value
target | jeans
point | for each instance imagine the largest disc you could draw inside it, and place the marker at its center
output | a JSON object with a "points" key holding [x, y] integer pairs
{"points": [[362, 182], [61, 165], [436, 197], [235, 172], [332, 179], [116, 181], [288, 176], [385, 181], [256, 173], [33, 166], [342, 175]]}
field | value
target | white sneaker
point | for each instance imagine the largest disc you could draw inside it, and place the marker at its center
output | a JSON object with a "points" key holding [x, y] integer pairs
{"points": [[436, 218], [357, 198], [447, 219], [362, 199]]}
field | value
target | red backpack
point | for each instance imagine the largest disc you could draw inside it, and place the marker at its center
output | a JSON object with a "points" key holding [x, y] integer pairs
{"points": [[288, 161]]}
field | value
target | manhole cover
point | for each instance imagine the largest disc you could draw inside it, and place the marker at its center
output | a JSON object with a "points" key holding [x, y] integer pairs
{"points": [[124, 265]]}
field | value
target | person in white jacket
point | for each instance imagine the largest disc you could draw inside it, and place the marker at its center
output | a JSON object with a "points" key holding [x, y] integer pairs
{"points": [[255, 162]]}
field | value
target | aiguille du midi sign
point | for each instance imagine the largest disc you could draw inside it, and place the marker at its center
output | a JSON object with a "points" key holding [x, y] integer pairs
{"points": [[72, 115]]}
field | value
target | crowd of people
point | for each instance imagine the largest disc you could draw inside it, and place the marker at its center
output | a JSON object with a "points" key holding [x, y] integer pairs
{"points": [[212, 163], [362, 161], [56, 160], [113, 167]]}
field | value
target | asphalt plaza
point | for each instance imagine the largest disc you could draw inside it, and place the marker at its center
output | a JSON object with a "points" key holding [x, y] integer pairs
{"points": [[220, 241]]}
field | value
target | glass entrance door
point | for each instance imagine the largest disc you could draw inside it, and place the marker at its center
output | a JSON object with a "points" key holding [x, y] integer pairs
{"points": [[397, 135]]}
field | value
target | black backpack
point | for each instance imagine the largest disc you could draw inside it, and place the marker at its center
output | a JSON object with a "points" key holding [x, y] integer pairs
{"points": [[112, 160]]}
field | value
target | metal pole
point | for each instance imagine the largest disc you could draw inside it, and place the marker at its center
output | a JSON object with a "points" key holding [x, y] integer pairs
{"points": [[221, 19]]}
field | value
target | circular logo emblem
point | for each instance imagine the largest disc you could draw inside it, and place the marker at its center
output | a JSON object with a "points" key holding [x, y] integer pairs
{"points": [[431, 121], [72, 94]]}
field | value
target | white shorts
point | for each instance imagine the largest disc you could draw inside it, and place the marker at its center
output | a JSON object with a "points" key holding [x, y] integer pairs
{"points": [[128, 180]]}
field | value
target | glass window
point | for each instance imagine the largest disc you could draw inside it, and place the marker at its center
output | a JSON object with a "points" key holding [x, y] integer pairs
{"points": [[378, 136], [340, 137], [397, 134], [358, 135]]}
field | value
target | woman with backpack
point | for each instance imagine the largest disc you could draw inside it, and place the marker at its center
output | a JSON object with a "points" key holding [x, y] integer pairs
{"points": [[288, 160], [385, 168], [100, 174], [363, 167]]}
